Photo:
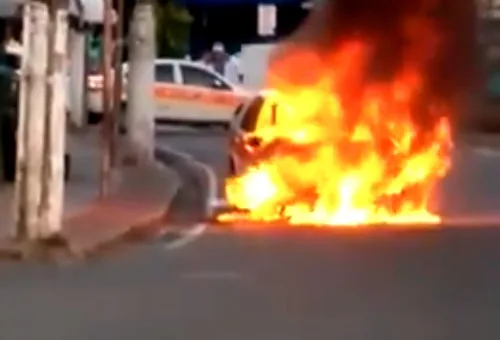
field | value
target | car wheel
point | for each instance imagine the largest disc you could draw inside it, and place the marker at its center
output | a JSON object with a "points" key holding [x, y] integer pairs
{"points": [[67, 167], [224, 126], [94, 118], [122, 124]]}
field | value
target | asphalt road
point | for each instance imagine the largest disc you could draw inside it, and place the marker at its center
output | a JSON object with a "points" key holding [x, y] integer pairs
{"points": [[279, 283]]}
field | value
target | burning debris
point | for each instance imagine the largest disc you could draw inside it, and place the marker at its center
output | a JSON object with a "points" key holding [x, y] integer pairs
{"points": [[367, 91]]}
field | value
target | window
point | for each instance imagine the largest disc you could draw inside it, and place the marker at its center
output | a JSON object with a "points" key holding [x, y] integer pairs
{"points": [[199, 77], [249, 121], [164, 73]]}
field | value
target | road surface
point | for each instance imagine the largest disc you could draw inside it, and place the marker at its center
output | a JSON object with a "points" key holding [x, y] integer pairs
{"points": [[278, 283]]}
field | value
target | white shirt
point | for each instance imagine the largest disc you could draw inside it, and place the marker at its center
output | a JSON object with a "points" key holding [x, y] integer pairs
{"points": [[232, 70]]}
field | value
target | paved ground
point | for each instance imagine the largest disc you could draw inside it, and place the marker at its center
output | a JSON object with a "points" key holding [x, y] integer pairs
{"points": [[278, 284], [138, 197], [269, 285], [80, 190]]}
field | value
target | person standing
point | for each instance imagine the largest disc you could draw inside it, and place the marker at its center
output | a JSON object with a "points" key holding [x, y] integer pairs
{"points": [[232, 70], [219, 58]]}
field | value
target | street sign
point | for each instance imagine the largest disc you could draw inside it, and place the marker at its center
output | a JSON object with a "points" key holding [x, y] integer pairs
{"points": [[307, 4], [266, 20]]}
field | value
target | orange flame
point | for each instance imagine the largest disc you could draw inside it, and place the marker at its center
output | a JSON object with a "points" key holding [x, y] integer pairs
{"points": [[342, 152]]}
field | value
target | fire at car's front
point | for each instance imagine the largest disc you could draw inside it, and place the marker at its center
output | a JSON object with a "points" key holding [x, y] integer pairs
{"points": [[348, 149]]}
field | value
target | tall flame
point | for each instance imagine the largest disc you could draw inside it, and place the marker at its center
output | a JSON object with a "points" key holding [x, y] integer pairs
{"points": [[349, 147]]}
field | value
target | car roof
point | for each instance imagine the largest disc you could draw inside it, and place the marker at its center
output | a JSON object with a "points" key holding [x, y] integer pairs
{"points": [[166, 61], [198, 64], [172, 61]]}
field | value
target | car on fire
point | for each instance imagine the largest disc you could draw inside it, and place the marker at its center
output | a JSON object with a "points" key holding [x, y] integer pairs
{"points": [[245, 145]]}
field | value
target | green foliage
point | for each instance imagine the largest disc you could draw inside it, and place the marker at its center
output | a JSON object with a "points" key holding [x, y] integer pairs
{"points": [[173, 23]]}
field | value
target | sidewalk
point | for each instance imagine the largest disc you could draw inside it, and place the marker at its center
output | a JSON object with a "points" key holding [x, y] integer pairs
{"points": [[140, 196], [80, 190]]}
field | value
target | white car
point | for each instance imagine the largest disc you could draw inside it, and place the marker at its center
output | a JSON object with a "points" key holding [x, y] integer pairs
{"points": [[184, 91]]}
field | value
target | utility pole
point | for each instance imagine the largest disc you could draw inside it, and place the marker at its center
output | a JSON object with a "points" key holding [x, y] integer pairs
{"points": [[77, 88], [140, 81], [55, 127], [118, 81], [31, 123], [108, 133]]}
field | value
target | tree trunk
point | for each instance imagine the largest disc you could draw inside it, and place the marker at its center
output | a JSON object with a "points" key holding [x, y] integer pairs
{"points": [[55, 129], [32, 112], [140, 81]]}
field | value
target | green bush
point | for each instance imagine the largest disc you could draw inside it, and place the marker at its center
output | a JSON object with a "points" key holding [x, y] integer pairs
{"points": [[173, 22]]}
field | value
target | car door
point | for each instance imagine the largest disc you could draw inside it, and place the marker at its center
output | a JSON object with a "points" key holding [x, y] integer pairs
{"points": [[243, 143], [164, 92], [212, 98]]}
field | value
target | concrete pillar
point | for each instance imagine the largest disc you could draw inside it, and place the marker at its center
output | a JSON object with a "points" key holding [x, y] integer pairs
{"points": [[140, 101]]}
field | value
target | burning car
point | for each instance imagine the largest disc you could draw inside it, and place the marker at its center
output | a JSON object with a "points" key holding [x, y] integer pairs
{"points": [[245, 145], [357, 128], [320, 154]]}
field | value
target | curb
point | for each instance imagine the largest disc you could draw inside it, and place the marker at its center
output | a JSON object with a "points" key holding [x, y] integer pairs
{"points": [[81, 241], [193, 177], [192, 172]]}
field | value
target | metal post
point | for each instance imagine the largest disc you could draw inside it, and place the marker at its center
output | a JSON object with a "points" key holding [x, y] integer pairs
{"points": [[118, 108], [76, 95], [108, 126]]}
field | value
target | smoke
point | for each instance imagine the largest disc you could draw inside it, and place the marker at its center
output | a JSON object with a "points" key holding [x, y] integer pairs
{"points": [[438, 34]]}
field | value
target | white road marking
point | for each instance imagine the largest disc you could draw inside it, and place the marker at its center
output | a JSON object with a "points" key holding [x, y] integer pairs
{"points": [[487, 152], [187, 237], [213, 275]]}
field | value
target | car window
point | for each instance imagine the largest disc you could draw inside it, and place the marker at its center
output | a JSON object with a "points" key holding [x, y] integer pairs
{"points": [[251, 114], [199, 77], [164, 73]]}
